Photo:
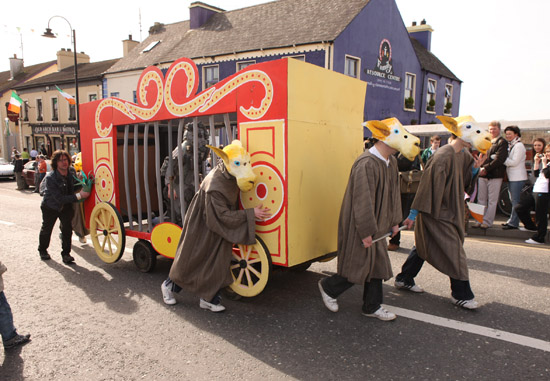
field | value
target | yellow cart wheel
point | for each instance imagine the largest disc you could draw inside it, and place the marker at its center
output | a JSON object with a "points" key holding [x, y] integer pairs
{"points": [[250, 268], [107, 232]]}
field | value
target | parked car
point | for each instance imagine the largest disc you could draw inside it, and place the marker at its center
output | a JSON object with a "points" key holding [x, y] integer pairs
{"points": [[30, 169], [6, 169]]}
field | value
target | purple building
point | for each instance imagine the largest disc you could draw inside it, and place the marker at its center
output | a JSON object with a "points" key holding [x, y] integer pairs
{"points": [[366, 39]]}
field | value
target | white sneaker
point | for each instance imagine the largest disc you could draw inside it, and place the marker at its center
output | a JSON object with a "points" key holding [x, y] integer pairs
{"points": [[533, 242], [468, 304], [330, 303], [402, 286], [82, 239], [212, 307], [167, 295], [527, 230], [382, 314]]}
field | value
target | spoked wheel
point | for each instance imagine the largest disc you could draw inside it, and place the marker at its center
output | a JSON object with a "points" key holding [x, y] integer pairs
{"points": [[145, 257], [250, 268], [107, 232]]}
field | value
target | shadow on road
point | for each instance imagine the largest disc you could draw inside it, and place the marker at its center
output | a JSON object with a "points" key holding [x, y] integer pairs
{"points": [[13, 365]]}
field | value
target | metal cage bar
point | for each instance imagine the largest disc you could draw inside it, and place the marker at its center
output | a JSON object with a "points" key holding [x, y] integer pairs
{"points": [[136, 174], [196, 152], [170, 171], [183, 204], [157, 166], [146, 177], [126, 179]]}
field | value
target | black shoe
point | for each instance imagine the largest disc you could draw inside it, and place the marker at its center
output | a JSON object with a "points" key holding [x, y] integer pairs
{"points": [[509, 227], [45, 256], [67, 258], [17, 340]]}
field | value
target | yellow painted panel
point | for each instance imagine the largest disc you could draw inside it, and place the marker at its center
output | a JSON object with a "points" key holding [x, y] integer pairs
{"points": [[325, 136]]}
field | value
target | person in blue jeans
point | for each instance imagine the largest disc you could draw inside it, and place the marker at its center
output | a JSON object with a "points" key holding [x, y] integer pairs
{"points": [[9, 334]]}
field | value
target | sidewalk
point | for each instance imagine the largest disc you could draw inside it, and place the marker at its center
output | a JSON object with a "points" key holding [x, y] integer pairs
{"points": [[497, 231]]}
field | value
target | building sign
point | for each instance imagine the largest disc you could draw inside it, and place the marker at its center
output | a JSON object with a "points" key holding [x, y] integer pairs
{"points": [[384, 64], [54, 130]]}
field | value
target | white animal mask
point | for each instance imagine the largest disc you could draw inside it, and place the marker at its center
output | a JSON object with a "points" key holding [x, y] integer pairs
{"points": [[392, 132], [237, 162]]}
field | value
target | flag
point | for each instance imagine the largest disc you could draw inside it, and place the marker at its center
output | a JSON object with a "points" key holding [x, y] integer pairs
{"points": [[477, 211], [15, 103], [68, 97], [8, 133]]}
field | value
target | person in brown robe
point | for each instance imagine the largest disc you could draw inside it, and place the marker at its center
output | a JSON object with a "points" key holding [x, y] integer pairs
{"points": [[439, 230], [212, 224], [371, 208]]}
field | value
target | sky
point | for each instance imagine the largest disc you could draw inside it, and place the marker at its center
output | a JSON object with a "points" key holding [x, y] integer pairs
{"points": [[499, 49]]}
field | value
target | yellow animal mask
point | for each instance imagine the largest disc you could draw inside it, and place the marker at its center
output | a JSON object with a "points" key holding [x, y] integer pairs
{"points": [[391, 132], [467, 129], [78, 162], [237, 162]]}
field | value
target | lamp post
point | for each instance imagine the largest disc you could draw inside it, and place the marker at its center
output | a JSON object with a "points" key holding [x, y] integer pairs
{"points": [[48, 33]]}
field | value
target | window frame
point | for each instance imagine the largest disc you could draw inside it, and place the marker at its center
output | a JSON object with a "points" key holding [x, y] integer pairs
{"points": [[54, 102], [248, 63], [206, 84], [357, 61], [72, 111], [448, 99], [431, 95], [39, 110], [412, 91]]}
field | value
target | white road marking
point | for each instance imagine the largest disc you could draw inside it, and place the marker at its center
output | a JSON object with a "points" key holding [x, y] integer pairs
{"points": [[89, 242], [472, 328], [7, 223]]}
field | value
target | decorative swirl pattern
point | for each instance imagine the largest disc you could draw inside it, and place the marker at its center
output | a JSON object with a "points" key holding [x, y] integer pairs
{"points": [[198, 104]]}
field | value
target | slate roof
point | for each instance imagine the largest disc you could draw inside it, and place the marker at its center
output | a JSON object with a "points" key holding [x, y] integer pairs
{"points": [[22, 76], [276, 24], [86, 72], [430, 62]]}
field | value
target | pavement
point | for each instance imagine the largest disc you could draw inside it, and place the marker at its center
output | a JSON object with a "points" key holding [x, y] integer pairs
{"points": [[497, 231]]}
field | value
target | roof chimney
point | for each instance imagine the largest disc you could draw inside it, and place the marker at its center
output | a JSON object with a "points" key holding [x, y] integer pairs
{"points": [[16, 66], [65, 58], [422, 33], [128, 45], [199, 13]]}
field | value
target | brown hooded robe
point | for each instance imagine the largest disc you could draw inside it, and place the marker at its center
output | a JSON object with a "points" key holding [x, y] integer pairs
{"points": [[211, 226], [371, 206], [439, 230]]}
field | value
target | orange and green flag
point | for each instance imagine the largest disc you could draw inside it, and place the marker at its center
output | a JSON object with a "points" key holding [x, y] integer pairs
{"points": [[67, 96], [15, 103]]}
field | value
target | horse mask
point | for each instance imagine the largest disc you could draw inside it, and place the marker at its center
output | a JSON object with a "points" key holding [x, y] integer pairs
{"points": [[391, 132], [466, 128], [237, 162]]}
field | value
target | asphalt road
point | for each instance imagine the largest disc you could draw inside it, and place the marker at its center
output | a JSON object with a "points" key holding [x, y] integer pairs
{"points": [[94, 321]]}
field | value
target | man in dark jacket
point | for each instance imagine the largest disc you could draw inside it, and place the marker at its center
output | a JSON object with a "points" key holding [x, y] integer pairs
{"points": [[18, 170], [491, 175], [57, 203]]}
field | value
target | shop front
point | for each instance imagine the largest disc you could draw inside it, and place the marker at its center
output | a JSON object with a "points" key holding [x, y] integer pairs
{"points": [[49, 137]]}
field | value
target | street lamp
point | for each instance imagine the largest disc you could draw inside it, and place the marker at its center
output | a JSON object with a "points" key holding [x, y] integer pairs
{"points": [[48, 33]]}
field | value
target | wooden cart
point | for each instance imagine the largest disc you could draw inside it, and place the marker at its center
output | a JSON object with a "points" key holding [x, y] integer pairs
{"points": [[300, 123]]}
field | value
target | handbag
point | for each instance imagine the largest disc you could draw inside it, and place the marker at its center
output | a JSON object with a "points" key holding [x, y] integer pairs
{"points": [[409, 181]]}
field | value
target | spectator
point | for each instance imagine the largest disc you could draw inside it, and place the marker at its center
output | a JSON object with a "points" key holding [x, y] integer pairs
{"points": [[34, 153], [491, 176], [43, 150], [59, 195], [25, 156], [540, 199], [516, 172], [14, 152], [18, 169], [435, 142], [41, 170], [539, 146], [9, 334]]}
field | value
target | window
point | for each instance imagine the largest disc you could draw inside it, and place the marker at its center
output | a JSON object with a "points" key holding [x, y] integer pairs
{"points": [[115, 94], [55, 109], [92, 97], [448, 99], [134, 95], [410, 87], [26, 111], [430, 100], [352, 67], [211, 75], [72, 112], [39, 111], [150, 46], [242, 65], [299, 58]]}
